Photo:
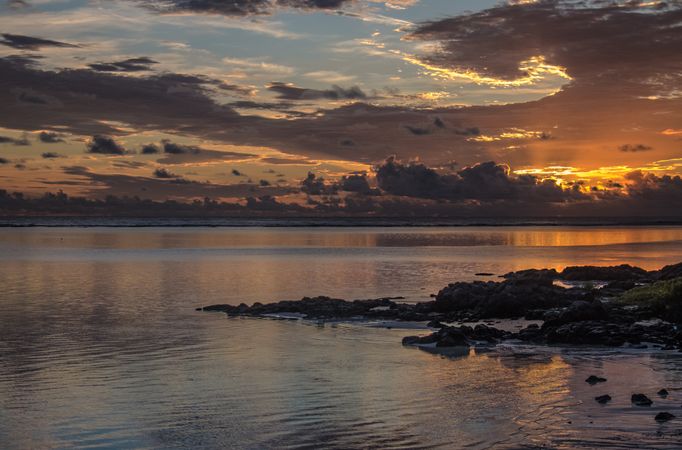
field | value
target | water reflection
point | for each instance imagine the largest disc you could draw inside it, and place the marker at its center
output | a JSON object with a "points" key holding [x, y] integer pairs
{"points": [[100, 344]]}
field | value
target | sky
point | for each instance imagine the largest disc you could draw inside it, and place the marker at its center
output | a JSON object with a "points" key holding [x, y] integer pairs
{"points": [[360, 106]]}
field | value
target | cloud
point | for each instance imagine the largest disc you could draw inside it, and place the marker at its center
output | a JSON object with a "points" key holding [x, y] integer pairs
{"points": [[49, 137], [140, 64], [163, 173], [287, 91], [22, 141], [150, 149], [486, 181], [187, 154], [355, 183], [50, 155], [97, 185], [104, 145], [634, 148], [22, 42], [238, 7]]}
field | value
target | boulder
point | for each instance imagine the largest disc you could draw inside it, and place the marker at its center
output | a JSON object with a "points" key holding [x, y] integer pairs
{"points": [[593, 379], [641, 400], [664, 417], [603, 399]]}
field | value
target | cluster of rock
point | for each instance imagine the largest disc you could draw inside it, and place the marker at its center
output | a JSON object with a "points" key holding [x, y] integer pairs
{"points": [[635, 399], [569, 315]]}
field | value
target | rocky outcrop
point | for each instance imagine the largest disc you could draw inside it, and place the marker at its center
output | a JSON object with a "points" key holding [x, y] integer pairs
{"points": [[511, 298], [624, 272], [463, 336]]}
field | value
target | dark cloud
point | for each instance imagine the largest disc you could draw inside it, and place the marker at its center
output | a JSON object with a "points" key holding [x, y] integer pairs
{"points": [[287, 161], [238, 7], [288, 91], [22, 42], [237, 173], [634, 148], [486, 181], [149, 149], [314, 185], [183, 154], [355, 183], [49, 137], [22, 141], [163, 173], [417, 131], [594, 40], [139, 64], [83, 101], [51, 155], [101, 185], [104, 145]]}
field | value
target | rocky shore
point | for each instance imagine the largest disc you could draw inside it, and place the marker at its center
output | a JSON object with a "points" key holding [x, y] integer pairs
{"points": [[589, 305]]}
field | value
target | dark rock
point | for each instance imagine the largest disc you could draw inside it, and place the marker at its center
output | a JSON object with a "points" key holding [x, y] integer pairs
{"points": [[593, 379], [620, 285], [419, 340], [451, 337], [507, 299], [641, 400], [663, 393], [582, 310], [545, 276], [664, 417], [435, 324], [603, 399], [485, 274], [669, 272], [624, 272]]}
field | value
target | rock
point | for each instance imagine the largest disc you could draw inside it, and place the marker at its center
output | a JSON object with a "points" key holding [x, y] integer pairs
{"points": [[419, 340], [582, 310], [641, 400], [507, 299], [451, 337], [664, 417], [624, 272], [663, 393], [545, 276], [484, 274], [603, 399], [435, 324], [593, 379], [669, 272]]}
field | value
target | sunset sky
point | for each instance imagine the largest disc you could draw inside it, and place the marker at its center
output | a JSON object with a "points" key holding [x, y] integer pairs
{"points": [[420, 104]]}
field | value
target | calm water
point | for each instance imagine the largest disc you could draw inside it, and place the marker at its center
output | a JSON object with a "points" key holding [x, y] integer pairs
{"points": [[100, 346]]}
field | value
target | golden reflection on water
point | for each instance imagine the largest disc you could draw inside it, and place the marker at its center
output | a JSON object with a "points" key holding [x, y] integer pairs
{"points": [[343, 237]]}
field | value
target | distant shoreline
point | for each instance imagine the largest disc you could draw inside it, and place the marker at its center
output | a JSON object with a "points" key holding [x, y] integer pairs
{"points": [[311, 222]]}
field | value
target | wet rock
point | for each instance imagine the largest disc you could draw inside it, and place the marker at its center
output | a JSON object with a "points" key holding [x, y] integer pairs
{"points": [[641, 400], [664, 417], [603, 399], [624, 272], [663, 393], [593, 379], [419, 340]]}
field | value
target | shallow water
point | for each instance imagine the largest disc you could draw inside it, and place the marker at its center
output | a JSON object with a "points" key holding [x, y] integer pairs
{"points": [[100, 345]]}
